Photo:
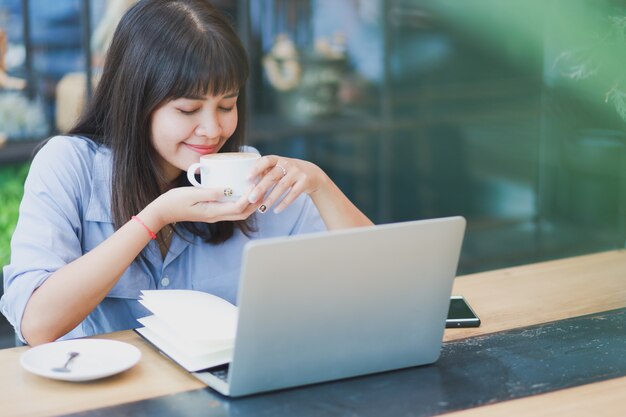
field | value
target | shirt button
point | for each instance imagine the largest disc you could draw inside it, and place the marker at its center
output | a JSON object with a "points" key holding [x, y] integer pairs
{"points": [[165, 281]]}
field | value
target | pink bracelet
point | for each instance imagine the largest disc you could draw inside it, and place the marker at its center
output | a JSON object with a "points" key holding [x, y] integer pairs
{"points": [[150, 232]]}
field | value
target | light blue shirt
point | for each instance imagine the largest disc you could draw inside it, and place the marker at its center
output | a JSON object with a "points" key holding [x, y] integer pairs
{"points": [[66, 212]]}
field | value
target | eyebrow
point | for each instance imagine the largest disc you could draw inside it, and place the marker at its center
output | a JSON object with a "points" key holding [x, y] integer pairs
{"points": [[229, 95]]}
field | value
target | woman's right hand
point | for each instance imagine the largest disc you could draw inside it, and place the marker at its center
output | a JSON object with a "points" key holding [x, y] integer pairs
{"points": [[194, 204], [49, 314]]}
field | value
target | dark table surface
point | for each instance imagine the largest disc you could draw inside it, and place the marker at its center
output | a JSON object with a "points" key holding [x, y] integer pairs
{"points": [[471, 372]]}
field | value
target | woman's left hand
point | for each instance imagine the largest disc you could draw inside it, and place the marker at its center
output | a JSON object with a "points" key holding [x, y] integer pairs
{"points": [[289, 177]]}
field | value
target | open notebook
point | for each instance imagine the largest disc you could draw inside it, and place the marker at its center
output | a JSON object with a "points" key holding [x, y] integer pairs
{"points": [[195, 329], [316, 307]]}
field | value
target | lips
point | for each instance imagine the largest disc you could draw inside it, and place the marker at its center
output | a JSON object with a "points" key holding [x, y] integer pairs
{"points": [[202, 149]]}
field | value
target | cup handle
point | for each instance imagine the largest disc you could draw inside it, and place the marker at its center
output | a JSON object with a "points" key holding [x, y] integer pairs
{"points": [[191, 174]]}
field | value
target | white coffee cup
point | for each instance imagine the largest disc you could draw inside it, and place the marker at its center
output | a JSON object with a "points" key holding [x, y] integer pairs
{"points": [[224, 170]]}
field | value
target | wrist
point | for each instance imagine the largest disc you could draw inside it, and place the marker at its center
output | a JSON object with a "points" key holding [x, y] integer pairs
{"points": [[151, 218], [325, 186]]}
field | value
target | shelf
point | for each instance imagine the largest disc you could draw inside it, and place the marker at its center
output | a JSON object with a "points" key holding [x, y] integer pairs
{"points": [[14, 152], [269, 128]]}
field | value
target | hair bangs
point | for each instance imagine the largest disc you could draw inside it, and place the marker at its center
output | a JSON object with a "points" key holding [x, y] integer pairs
{"points": [[210, 65]]}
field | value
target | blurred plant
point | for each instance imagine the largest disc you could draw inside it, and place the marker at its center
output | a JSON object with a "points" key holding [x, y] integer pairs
{"points": [[617, 93], [11, 189], [601, 60]]}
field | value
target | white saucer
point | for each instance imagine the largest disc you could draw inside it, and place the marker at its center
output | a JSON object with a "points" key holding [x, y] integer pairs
{"points": [[97, 358]]}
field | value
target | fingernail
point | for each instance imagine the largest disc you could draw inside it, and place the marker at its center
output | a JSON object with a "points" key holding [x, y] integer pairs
{"points": [[278, 210], [262, 208], [252, 198]]}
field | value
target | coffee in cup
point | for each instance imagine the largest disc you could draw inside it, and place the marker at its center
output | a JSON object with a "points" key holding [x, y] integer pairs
{"points": [[224, 170]]}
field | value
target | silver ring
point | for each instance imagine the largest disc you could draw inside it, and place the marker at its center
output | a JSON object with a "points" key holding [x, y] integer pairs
{"points": [[282, 169]]}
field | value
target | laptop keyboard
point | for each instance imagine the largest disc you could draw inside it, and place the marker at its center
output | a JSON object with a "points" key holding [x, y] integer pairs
{"points": [[220, 372]]}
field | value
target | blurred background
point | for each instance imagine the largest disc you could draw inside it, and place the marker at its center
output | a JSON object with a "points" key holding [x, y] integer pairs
{"points": [[510, 113]]}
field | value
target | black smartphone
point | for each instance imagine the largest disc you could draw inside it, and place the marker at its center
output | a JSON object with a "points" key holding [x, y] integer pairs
{"points": [[460, 314]]}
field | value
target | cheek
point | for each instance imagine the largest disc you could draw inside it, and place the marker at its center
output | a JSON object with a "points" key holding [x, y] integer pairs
{"points": [[230, 124], [167, 130], [159, 128]]}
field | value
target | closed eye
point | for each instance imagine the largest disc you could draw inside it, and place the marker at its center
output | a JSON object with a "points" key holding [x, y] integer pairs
{"points": [[192, 111]]}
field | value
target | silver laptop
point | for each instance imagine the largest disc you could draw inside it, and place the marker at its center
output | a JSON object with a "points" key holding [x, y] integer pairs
{"points": [[332, 305]]}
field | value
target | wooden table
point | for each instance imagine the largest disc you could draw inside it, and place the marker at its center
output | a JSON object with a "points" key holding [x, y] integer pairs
{"points": [[504, 299]]}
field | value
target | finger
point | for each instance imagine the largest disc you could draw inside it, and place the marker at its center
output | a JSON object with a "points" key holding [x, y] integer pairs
{"points": [[244, 214], [264, 164], [234, 207], [242, 204], [210, 194], [295, 192], [215, 211], [283, 186], [272, 177]]}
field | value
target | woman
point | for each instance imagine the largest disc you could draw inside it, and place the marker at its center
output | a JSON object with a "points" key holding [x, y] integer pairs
{"points": [[108, 212]]}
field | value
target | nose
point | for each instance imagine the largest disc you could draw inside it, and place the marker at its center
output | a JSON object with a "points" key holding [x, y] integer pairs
{"points": [[209, 126]]}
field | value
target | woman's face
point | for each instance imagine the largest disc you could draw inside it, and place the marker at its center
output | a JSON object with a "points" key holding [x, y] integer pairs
{"points": [[184, 129]]}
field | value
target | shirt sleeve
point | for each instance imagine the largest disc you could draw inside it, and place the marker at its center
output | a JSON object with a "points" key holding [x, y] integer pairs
{"points": [[309, 219], [48, 232]]}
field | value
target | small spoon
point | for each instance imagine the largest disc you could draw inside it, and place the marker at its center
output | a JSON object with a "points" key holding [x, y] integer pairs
{"points": [[65, 368]]}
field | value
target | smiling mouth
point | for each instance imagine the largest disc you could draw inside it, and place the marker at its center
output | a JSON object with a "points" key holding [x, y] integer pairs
{"points": [[201, 149]]}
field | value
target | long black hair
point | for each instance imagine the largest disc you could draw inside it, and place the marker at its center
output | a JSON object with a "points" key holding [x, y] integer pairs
{"points": [[161, 50]]}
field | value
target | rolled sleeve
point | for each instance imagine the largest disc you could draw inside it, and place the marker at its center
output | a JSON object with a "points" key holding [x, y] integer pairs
{"points": [[16, 295], [48, 232]]}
